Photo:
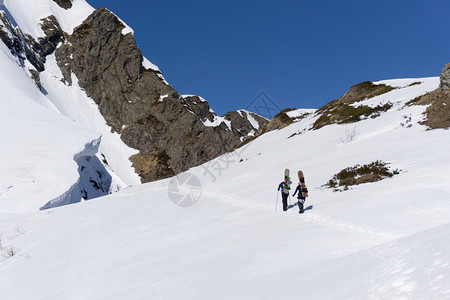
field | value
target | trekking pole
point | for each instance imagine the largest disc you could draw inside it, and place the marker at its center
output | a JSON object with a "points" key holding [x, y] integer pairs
{"points": [[276, 203]]}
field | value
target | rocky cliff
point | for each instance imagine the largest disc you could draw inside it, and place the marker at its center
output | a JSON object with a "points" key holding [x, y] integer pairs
{"points": [[172, 132]]}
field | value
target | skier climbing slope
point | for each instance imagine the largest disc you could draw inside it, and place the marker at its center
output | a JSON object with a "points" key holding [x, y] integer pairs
{"points": [[285, 186]]}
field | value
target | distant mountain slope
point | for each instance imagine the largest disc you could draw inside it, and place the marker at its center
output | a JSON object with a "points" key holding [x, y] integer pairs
{"points": [[368, 100]]}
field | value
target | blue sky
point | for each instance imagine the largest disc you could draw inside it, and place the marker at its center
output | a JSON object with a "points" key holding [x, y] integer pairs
{"points": [[302, 54]]}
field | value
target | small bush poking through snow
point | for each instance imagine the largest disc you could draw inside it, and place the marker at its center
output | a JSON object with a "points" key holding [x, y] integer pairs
{"points": [[358, 174], [344, 114], [349, 136], [414, 101], [6, 251], [9, 252]]}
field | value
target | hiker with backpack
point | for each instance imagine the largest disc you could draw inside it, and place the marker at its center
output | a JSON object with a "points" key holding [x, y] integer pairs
{"points": [[285, 186], [302, 192]]}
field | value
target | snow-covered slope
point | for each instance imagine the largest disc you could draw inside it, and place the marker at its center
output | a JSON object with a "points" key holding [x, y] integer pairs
{"points": [[38, 145], [382, 240]]}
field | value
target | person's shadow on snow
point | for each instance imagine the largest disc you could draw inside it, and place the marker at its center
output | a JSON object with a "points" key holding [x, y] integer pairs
{"points": [[308, 208], [296, 205]]}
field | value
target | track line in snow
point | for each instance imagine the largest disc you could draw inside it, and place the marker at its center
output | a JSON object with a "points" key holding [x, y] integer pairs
{"points": [[225, 198], [314, 217], [395, 275]]}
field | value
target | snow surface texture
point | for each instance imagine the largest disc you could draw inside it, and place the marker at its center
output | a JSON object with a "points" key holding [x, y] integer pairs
{"points": [[383, 240]]}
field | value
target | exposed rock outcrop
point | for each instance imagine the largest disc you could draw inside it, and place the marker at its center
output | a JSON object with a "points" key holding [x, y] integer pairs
{"points": [[247, 124], [25, 47], [438, 111], [279, 121], [21, 45], [150, 166], [445, 77], [53, 36], [36, 78], [172, 133], [285, 118], [66, 4], [363, 90]]}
